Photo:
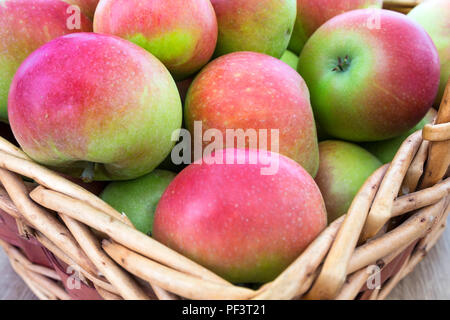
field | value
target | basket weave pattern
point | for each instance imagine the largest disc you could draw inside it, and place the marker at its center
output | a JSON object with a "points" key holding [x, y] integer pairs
{"points": [[395, 219]]}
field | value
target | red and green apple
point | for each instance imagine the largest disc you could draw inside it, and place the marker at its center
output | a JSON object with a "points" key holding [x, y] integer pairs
{"points": [[373, 74], [181, 34], [311, 14], [245, 226], [344, 167], [386, 150], [254, 91], [434, 17], [86, 6], [95, 105], [25, 25], [263, 26]]}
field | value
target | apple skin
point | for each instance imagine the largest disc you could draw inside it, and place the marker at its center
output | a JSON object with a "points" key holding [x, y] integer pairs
{"points": [[263, 26], [138, 198], [389, 83], [87, 98], [181, 34], [386, 150], [290, 58], [249, 90], [25, 25], [311, 14], [86, 6], [244, 226], [434, 17], [344, 167]]}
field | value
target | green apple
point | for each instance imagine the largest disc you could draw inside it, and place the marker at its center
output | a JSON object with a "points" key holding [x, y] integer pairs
{"points": [[138, 198], [343, 169], [290, 58], [386, 150]]}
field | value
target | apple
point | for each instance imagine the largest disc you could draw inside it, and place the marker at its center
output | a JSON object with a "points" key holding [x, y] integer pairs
{"points": [[138, 198], [373, 74], [290, 59], [263, 26], [86, 6], [182, 34], [434, 17], [95, 104], [311, 14], [25, 25], [344, 167], [386, 150], [245, 226], [254, 91]]}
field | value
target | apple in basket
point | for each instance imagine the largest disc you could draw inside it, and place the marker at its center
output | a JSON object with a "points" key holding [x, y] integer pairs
{"points": [[311, 14], [373, 74], [96, 106], [263, 26], [86, 6], [386, 150], [344, 167], [25, 25], [246, 225], [138, 198], [434, 16], [182, 34], [290, 59], [257, 94]]}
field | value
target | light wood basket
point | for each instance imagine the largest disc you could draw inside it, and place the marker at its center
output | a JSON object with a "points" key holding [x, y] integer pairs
{"points": [[397, 217]]}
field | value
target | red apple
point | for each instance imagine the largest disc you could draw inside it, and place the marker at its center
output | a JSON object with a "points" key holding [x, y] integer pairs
{"points": [[95, 102], [245, 226], [181, 34], [86, 6], [25, 25], [311, 14], [253, 91]]}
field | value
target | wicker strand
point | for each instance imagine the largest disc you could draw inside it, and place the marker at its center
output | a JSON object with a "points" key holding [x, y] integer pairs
{"points": [[381, 210], [174, 281], [42, 220], [439, 155], [414, 228], [127, 287], [291, 282], [334, 271], [120, 232]]}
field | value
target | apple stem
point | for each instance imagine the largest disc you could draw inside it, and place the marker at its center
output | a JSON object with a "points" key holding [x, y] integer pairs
{"points": [[88, 173], [343, 64]]}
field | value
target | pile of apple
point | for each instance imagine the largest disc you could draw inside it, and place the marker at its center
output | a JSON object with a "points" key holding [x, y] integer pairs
{"points": [[98, 90]]}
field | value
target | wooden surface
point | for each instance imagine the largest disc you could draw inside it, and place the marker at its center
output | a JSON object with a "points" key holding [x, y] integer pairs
{"points": [[430, 280]]}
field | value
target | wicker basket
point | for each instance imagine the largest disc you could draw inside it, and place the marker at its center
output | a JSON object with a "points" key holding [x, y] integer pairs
{"points": [[66, 243]]}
